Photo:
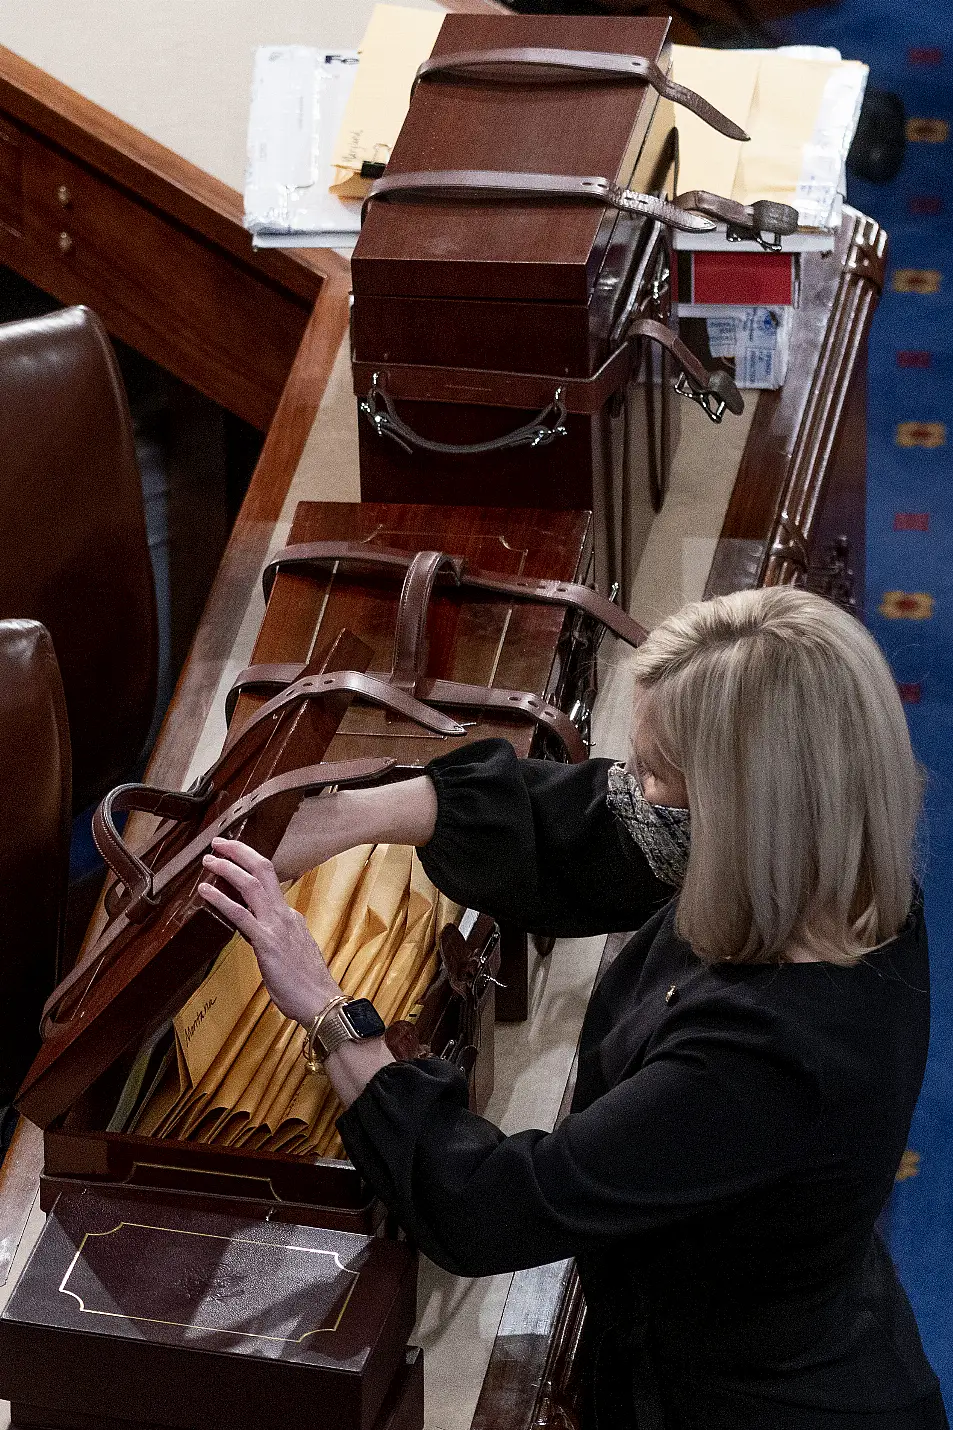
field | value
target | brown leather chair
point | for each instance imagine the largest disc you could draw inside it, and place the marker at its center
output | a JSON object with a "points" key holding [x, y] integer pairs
{"points": [[73, 549], [34, 839]]}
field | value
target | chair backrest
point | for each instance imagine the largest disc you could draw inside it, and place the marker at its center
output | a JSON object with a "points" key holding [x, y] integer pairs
{"points": [[73, 548], [34, 838]]}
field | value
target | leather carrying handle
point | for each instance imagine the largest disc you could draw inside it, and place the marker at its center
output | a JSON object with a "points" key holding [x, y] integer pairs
{"points": [[510, 184], [136, 876], [146, 886], [594, 66], [307, 780], [128, 868], [380, 412], [372, 688]]}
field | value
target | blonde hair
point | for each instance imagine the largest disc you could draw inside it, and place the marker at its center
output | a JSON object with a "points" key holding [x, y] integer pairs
{"points": [[782, 715]]}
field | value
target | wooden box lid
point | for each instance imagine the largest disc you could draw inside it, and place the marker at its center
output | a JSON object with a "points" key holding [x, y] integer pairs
{"points": [[179, 1317], [138, 974], [529, 250]]}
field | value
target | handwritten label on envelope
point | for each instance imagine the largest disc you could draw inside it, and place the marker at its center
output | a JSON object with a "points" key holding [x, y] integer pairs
{"points": [[206, 1020], [395, 44]]}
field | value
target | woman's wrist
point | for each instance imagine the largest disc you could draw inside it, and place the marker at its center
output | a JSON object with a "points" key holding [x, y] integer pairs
{"points": [[402, 813], [351, 1066]]}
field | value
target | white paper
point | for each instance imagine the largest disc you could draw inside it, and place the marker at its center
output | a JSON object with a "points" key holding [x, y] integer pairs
{"points": [[757, 339], [298, 98]]}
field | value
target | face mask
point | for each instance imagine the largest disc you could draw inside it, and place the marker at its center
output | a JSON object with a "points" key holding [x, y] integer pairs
{"points": [[662, 832]]}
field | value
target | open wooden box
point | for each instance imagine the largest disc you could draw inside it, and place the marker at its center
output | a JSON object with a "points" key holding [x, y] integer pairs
{"points": [[471, 637], [186, 1284], [79, 1151]]}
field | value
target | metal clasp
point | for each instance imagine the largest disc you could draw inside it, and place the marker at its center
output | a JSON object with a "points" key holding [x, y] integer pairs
{"points": [[770, 220], [546, 434], [770, 242], [713, 405], [374, 407]]}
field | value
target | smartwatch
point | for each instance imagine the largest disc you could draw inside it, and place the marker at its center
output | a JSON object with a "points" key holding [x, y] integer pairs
{"points": [[342, 1021]]}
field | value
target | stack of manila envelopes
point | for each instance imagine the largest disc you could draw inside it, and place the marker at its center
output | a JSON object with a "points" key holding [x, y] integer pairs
{"points": [[395, 45], [800, 106], [233, 1073]]}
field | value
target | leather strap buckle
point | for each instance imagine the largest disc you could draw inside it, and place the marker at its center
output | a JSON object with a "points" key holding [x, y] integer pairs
{"points": [[525, 187], [715, 399], [763, 222]]}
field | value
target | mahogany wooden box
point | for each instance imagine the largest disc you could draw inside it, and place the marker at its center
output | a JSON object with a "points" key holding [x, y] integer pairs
{"points": [[79, 1151], [138, 1313], [476, 639], [474, 315], [457, 1014]]}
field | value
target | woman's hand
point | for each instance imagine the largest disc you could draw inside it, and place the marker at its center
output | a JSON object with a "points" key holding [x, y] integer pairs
{"points": [[291, 963]]}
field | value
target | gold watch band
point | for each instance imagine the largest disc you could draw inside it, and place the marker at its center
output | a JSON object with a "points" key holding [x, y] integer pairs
{"points": [[314, 1059]]}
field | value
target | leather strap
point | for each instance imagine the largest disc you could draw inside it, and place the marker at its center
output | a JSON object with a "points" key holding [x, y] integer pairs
{"points": [[306, 780], [506, 184], [658, 332], [261, 680], [446, 692], [147, 886], [415, 382], [373, 688], [409, 667], [568, 594], [596, 66], [715, 391], [410, 640], [512, 702], [753, 222], [128, 868]]}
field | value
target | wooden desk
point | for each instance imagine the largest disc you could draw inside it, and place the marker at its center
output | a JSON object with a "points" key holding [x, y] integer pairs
{"points": [[94, 212], [761, 500], [149, 234], [755, 501]]}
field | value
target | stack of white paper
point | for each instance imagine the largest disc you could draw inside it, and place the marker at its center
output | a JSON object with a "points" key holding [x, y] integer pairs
{"points": [[299, 95]]}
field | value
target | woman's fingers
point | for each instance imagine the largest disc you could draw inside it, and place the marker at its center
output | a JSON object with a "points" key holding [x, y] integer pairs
{"points": [[250, 860], [242, 919], [264, 905]]}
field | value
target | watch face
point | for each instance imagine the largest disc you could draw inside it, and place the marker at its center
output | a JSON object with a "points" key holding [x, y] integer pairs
{"points": [[364, 1018]]}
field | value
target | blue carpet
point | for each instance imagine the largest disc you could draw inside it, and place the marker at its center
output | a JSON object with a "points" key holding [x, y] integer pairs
{"points": [[909, 48]]}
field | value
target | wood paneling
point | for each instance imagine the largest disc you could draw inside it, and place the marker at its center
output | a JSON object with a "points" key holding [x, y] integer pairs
{"points": [[94, 212]]}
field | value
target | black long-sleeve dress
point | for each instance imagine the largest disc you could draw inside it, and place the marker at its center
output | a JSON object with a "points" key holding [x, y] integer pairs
{"points": [[729, 1147]]}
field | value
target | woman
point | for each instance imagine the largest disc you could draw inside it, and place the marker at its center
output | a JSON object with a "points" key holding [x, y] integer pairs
{"points": [[749, 1064]]}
